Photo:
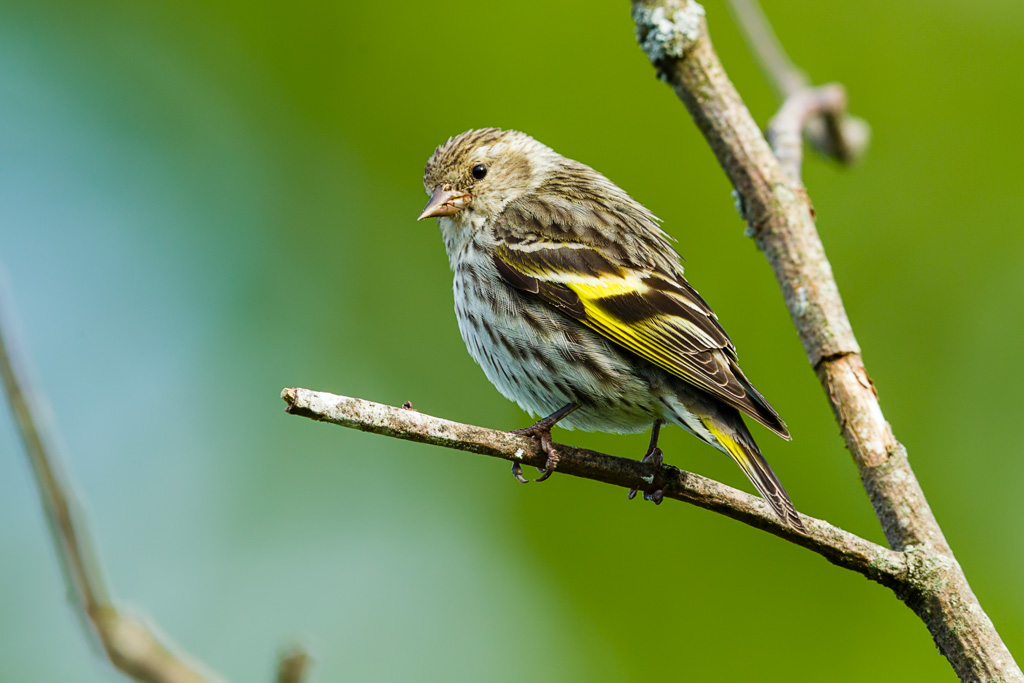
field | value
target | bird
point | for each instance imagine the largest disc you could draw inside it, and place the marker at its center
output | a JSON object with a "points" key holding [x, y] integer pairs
{"points": [[572, 299]]}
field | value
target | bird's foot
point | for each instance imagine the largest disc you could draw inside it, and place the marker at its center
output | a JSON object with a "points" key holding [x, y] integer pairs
{"points": [[541, 432], [655, 457]]}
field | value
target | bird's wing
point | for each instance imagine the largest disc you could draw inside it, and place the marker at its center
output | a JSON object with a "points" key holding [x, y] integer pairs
{"points": [[652, 313]]}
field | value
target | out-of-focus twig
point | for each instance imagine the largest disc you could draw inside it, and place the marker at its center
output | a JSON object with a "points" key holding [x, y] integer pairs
{"points": [[831, 130], [293, 665], [129, 642], [783, 74], [796, 114], [674, 34]]}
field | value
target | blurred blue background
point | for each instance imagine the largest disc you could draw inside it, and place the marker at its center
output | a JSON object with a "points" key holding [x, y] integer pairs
{"points": [[202, 203]]}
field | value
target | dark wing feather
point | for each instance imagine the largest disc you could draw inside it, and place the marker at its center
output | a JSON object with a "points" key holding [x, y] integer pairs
{"points": [[636, 297]]}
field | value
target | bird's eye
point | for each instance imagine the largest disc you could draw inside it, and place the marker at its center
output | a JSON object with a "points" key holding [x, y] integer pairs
{"points": [[479, 171]]}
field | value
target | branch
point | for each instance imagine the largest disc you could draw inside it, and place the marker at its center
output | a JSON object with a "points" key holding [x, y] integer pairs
{"points": [[831, 130], [800, 109], [782, 73], [674, 35], [836, 545], [293, 665], [129, 642]]}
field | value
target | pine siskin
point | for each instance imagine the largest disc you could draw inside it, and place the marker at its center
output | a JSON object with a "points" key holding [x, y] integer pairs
{"points": [[572, 300]]}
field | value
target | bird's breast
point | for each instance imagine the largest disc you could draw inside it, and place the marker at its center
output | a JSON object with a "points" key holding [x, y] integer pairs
{"points": [[538, 358]]}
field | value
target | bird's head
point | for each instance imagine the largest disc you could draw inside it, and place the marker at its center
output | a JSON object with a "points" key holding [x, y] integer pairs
{"points": [[480, 171]]}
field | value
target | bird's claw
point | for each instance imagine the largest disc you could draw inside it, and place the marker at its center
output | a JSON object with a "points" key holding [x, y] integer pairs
{"points": [[542, 434], [655, 457], [517, 472], [549, 466]]}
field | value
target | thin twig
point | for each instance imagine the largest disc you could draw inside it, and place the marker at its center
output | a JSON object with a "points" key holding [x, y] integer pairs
{"points": [[785, 130], [784, 76], [836, 545], [129, 642], [293, 665], [674, 35], [831, 130]]}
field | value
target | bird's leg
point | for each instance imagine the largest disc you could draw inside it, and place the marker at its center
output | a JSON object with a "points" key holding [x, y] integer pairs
{"points": [[655, 457], [541, 431]]}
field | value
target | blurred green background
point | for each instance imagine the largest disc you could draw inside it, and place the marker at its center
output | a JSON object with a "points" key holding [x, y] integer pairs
{"points": [[202, 203]]}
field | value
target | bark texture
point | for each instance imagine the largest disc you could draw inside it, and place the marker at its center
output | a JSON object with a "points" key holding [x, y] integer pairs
{"points": [[836, 545], [674, 35]]}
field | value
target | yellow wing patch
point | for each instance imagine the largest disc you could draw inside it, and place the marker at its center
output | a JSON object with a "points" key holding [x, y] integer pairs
{"points": [[589, 289], [641, 338], [647, 313]]}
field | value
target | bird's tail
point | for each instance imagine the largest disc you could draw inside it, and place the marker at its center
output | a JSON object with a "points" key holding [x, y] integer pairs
{"points": [[737, 442], [724, 429]]}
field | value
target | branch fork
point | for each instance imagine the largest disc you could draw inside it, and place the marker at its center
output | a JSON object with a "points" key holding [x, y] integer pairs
{"points": [[767, 180], [765, 172]]}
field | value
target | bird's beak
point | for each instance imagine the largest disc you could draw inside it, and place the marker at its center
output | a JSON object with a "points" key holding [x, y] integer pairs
{"points": [[444, 202]]}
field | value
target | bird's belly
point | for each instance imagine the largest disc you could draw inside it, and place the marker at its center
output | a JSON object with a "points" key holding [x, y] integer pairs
{"points": [[543, 361]]}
